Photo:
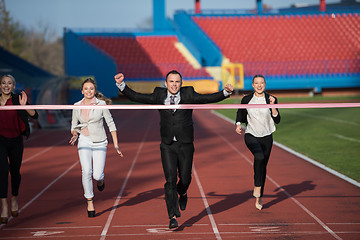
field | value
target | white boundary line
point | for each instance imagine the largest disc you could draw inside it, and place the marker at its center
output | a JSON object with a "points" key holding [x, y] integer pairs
{"points": [[42, 191], [207, 207], [118, 198], [52, 228], [287, 194], [155, 225], [320, 165], [43, 151], [265, 224], [305, 209], [324, 118], [150, 235], [345, 138]]}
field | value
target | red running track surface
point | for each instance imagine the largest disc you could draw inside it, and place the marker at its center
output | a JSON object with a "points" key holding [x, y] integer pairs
{"points": [[301, 201]]}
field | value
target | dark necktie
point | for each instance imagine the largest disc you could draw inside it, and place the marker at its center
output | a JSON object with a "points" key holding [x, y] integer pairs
{"points": [[172, 102]]}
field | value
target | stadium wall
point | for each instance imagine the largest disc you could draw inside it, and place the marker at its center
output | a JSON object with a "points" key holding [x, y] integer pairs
{"points": [[314, 83], [81, 59]]}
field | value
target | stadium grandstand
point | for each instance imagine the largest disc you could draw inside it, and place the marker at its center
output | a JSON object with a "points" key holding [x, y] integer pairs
{"points": [[307, 48]]}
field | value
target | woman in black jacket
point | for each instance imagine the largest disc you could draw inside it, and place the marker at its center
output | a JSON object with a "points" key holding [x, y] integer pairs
{"points": [[14, 125], [260, 124]]}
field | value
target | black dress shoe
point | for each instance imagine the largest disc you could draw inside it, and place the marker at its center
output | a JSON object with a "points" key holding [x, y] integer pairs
{"points": [[183, 201], [173, 223], [101, 187]]}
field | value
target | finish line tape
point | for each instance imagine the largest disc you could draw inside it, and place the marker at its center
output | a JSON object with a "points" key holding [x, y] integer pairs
{"points": [[183, 106]]}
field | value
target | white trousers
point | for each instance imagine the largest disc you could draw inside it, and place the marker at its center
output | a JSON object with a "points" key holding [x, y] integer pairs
{"points": [[92, 159]]}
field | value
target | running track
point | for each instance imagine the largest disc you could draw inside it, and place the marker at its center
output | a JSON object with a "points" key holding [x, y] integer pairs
{"points": [[301, 200]]}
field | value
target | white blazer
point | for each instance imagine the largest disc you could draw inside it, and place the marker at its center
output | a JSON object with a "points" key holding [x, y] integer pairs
{"points": [[95, 123]]}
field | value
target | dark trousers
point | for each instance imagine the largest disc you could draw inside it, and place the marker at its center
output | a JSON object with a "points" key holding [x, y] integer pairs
{"points": [[176, 158], [260, 147], [11, 153]]}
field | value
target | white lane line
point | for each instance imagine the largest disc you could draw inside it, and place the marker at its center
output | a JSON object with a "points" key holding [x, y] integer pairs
{"points": [[265, 229], [150, 235], [39, 134], [53, 237], [322, 166], [207, 207], [346, 138], [287, 233], [282, 233], [118, 198], [43, 151], [288, 194], [156, 225], [44, 190], [343, 223], [325, 118], [264, 224], [44, 228], [305, 209]]}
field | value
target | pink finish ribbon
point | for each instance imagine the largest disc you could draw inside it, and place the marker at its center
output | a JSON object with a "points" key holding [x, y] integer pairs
{"points": [[184, 106]]}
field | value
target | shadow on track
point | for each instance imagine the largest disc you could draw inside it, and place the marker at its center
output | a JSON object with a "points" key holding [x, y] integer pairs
{"points": [[292, 189], [140, 198], [230, 201]]}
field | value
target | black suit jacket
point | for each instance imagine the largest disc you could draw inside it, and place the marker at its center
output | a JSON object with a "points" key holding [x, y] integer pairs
{"points": [[179, 123]]}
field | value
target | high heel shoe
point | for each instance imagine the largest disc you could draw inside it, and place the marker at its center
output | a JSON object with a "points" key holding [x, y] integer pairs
{"points": [[101, 187], [258, 204], [4, 220], [91, 213], [256, 194]]}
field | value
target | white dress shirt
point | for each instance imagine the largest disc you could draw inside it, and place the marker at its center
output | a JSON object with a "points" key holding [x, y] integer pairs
{"points": [[260, 122]]}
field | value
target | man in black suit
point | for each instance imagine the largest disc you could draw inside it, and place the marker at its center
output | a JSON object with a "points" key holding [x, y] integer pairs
{"points": [[177, 134]]}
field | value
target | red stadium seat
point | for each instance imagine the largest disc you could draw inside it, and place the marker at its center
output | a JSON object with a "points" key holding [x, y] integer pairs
{"points": [[300, 39], [146, 57]]}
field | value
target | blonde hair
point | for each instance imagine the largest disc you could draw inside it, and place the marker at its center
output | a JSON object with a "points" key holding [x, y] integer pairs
{"points": [[12, 79], [98, 94]]}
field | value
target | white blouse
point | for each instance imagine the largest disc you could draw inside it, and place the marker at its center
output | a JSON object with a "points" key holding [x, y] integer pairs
{"points": [[260, 122]]}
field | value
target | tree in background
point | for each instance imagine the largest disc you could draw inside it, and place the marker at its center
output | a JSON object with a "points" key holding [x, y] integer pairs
{"points": [[44, 50], [11, 34], [40, 48]]}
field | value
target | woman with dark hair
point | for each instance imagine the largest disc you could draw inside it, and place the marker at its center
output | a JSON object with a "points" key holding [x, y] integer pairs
{"points": [[260, 124], [14, 124], [92, 144]]}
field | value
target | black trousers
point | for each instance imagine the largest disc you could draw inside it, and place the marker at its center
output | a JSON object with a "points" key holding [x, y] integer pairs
{"points": [[177, 159], [11, 153], [260, 147]]}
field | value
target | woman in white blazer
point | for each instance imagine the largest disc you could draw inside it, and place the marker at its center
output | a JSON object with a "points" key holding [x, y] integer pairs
{"points": [[87, 125]]}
